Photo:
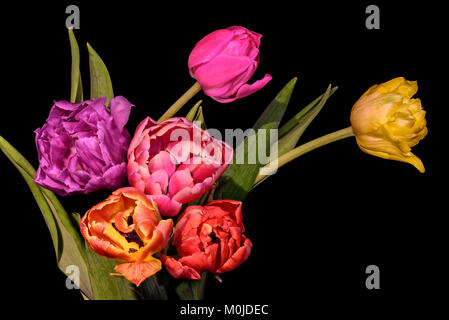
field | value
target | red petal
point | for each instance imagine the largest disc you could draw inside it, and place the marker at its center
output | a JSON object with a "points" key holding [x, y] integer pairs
{"points": [[237, 258], [178, 270]]}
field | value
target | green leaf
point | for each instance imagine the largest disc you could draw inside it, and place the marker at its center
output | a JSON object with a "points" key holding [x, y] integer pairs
{"points": [[196, 115], [105, 286], [65, 221], [184, 290], [199, 119], [28, 172], [76, 92], [238, 179], [290, 135], [100, 81], [289, 125], [151, 289], [76, 216], [192, 289], [273, 114], [193, 112], [65, 237], [292, 131]]}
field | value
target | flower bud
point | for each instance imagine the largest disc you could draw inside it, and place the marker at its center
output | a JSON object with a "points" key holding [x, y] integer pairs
{"points": [[224, 61]]}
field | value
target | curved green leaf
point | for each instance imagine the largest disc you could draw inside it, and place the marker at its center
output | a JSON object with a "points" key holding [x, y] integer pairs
{"points": [[239, 178], [193, 112], [76, 92], [100, 81], [105, 286], [290, 124], [66, 238], [292, 131]]}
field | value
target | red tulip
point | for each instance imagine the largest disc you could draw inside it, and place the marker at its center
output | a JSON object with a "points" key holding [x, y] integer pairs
{"points": [[209, 238]]}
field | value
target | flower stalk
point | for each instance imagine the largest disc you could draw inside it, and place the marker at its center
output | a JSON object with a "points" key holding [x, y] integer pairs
{"points": [[303, 149], [189, 94]]}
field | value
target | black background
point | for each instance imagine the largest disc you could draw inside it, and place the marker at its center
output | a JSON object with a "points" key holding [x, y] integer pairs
{"points": [[321, 220]]}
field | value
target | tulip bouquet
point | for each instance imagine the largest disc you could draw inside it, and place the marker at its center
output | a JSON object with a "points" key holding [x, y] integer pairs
{"points": [[175, 215]]}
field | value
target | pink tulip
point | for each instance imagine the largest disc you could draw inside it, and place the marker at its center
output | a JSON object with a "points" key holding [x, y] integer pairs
{"points": [[175, 162], [224, 61]]}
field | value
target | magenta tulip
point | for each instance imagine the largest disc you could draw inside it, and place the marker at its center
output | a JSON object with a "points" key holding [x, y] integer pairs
{"points": [[224, 61], [175, 162]]}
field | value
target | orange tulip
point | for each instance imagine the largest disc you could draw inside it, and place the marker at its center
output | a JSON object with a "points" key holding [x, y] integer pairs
{"points": [[127, 227]]}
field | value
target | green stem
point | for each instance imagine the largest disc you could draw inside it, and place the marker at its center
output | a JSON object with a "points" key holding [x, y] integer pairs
{"points": [[189, 94], [202, 287], [303, 149]]}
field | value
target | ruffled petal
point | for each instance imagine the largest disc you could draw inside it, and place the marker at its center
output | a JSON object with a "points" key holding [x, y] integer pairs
{"points": [[137, 272], [247, 89], [178, 270], [166, 206], [120, 110], [237, 258]]}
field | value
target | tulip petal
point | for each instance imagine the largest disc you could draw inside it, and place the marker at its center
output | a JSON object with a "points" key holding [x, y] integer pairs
{"points": [[237, 258], [159, 239], [191, 193], [137, 272], [222, 69], [157, 183], [120, 110], [202, 261], [248, 89], [138, 134], [178, 270], [145, 218], [387, 150], [166, 206], [179, 180], [233, 207], [209, 47], [163, 160], [204, 171], [114, 177], [121, 220]]}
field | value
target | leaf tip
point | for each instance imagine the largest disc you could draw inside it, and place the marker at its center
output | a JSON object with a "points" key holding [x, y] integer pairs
{"points": [[89, 48], [292, 82]]}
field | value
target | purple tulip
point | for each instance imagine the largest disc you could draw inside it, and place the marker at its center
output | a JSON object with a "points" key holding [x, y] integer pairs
{"points": [[82, 147]]}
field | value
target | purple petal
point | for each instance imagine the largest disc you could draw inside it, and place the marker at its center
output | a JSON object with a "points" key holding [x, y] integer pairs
{"points": [[120, 110]]}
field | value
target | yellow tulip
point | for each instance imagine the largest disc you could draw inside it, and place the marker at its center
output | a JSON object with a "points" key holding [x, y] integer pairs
{"points": [[387, 122]]}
